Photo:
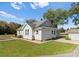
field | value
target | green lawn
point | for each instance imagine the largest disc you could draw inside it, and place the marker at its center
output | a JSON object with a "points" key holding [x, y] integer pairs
{"points": [[24, 48]]}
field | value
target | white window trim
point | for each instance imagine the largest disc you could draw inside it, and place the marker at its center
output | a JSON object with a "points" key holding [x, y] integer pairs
{"points": [[27, 32], [36, 31]]}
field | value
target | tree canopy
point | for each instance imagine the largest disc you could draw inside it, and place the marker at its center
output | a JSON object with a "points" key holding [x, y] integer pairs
{"points": [[8, 28], [74, 12], [56, 17]]}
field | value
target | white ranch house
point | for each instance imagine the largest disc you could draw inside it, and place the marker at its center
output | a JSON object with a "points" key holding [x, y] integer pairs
{"points": [[39, 30]]}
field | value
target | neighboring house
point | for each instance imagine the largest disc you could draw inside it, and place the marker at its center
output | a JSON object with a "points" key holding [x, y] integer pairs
{"points": [[38, 30], [73, 34]]}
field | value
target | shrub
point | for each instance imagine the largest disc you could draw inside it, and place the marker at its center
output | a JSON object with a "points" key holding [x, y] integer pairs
{"points": [[62, 30], [66, 37], [20, 36]]}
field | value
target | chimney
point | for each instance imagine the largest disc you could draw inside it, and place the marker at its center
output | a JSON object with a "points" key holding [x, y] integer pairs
{"points": [[41, 19]]}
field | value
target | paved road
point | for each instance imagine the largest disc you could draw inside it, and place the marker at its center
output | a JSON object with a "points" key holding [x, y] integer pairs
{"points": [[75, 53]]}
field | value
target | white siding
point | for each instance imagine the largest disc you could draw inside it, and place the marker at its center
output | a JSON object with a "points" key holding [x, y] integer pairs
{"points": [[28, 36], [44, 34], [38, 36], [74, 36], [19, 33], [47, 33]]}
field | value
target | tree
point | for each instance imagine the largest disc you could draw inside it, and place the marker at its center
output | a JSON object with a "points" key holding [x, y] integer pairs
{"points": [[74, 12], [61, 30], [56, 17], [8, 28], [3, 27], [12, 27]]}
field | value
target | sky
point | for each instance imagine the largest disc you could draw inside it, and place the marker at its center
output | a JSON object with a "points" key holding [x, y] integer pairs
{"points": [[21, 11]]}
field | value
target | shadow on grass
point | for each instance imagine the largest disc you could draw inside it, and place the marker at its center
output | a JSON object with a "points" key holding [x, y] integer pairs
{"points": [[55, 38]]}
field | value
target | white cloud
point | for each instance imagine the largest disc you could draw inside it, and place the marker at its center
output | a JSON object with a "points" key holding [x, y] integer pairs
{"points": [[35, 5], [17, 5], [10, 16], [2, 13]]}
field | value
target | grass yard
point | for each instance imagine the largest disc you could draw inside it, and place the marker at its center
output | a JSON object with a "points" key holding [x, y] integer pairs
{"points": [[24, 48]]}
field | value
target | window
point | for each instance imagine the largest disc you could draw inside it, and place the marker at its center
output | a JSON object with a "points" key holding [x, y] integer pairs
{"points": [[53, 32], [26, 31], [37, 32], [19, 32]]}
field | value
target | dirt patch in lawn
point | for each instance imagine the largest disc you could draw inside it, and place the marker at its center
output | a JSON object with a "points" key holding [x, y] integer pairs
{"points": [[6, 37]]}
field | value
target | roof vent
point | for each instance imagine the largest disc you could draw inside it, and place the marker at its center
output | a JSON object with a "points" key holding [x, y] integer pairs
{"points": [[41, 19]]}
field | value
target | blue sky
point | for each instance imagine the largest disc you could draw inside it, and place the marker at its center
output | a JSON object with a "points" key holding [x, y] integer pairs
{"points": [[21, 11]]}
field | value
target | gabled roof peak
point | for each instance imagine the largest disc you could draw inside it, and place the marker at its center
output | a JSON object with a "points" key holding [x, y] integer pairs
{"points": [[35, 24]]}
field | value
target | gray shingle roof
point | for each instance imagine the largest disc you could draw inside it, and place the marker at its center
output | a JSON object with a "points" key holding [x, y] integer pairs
{"points": [[19, 28], [73, 31], [36, 24], [22, 27], [43, 23]]}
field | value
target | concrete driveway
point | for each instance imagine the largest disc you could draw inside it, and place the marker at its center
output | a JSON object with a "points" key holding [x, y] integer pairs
{"points": [[67, 41]]}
